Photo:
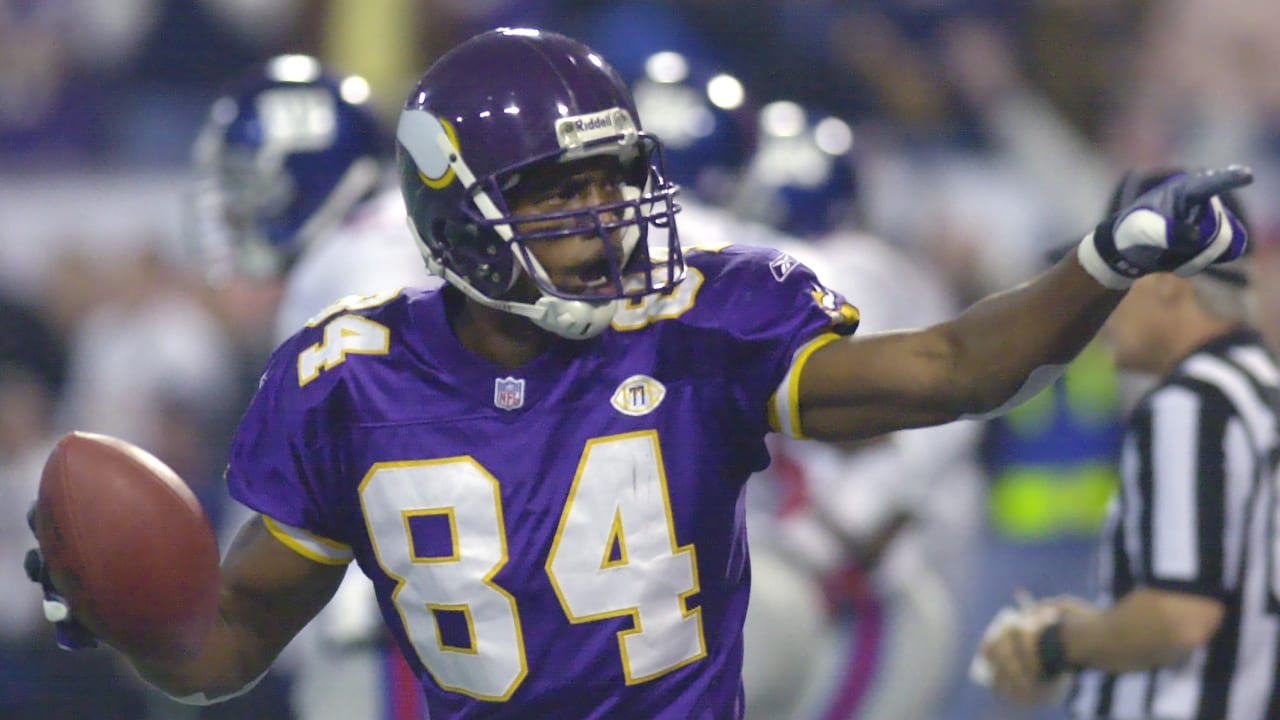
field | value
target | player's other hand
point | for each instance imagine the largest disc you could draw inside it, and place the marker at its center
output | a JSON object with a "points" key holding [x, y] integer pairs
{"points": [[69, 632], [1179, 226]]}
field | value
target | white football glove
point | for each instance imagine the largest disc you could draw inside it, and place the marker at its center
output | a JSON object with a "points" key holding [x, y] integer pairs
{"points": [[1179, 226]]}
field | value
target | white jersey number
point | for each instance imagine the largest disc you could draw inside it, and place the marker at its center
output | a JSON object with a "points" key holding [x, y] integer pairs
{"points": [[347, 335], [614, 555]]}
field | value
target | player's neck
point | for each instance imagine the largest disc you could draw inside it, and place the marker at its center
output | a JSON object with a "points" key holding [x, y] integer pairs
{"points": [[508, 340]]}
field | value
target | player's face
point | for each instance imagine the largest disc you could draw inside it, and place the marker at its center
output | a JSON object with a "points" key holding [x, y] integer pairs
{"points": [[575, 263]]}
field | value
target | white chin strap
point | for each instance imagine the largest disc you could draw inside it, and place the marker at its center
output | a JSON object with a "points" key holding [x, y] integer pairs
{"points": [[571, 319]]}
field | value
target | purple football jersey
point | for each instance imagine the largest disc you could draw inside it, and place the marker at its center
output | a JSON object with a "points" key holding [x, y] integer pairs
{"points": [[561, 540]]}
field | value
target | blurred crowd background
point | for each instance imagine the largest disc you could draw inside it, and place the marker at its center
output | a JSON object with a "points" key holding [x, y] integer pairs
{"points": [[986, 132]]}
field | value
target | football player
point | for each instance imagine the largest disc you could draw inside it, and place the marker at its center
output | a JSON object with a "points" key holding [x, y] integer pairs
{"points": [[541, 466], [292, 168]]}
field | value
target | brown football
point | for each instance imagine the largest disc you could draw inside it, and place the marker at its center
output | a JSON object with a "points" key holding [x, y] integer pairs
{"points": [[128, 544]]}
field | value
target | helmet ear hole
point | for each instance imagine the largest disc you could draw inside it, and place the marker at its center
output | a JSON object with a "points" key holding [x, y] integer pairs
{"points": [[468, 235], [453, 232], [447, 234], [475, 253], [439, 237]]}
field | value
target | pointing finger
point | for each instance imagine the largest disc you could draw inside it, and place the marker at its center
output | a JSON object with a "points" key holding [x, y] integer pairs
{"points": [[1203, 185]]}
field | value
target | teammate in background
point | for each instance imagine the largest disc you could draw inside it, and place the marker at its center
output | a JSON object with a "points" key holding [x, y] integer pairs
{"points": [[541, 466], [889, 525], [293, 167], [1184, 622]]}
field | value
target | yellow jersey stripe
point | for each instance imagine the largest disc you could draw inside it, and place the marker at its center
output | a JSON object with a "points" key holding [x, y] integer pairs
{"points": [[309, 546], [784, 406]]}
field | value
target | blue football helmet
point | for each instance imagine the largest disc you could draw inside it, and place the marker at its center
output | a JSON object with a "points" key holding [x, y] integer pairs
{"points": [[801, 179], [703, 120], [486, 113], [285, 154]]}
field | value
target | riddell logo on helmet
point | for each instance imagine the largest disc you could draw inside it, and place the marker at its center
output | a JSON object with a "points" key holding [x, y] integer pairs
{"points": [[595, 123], [578, 130]]}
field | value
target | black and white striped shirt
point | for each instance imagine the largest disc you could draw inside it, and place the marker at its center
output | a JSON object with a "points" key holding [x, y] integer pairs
{"points": [[1197, 513]]}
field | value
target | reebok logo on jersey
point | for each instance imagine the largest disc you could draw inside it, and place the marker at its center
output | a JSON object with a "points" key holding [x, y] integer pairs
{"points": [[638, 395], [781, 266]]}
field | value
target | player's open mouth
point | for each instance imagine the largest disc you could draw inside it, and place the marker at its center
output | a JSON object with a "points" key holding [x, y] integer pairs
{"points": [[599, 286], [591, 279]]}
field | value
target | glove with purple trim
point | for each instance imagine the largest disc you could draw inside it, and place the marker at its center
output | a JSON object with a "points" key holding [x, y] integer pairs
{"points": [[68, 631], [1179, 226]]}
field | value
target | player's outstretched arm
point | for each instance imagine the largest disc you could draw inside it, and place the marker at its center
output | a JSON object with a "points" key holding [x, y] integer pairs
{"points": [[1011, 344], [269, 592], [970, 365]]}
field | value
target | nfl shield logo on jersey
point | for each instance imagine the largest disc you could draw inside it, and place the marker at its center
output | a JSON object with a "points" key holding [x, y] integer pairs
{"points": [[508, 393]]}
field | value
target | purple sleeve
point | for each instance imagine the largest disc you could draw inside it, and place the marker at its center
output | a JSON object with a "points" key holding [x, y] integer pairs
{"points": [[768, 311], [282, 461]]}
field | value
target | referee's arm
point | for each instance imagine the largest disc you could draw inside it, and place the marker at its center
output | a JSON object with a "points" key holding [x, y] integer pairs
{"points": [[1175, 492], [1148, 628]]}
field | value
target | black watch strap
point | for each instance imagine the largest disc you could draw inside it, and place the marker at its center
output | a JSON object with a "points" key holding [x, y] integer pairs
{"points": [[1052, 652]]}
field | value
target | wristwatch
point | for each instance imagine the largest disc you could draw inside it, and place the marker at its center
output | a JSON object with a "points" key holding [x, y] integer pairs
{"points": [[1052, 652]]}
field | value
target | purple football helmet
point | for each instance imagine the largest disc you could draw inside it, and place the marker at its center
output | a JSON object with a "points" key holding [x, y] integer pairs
{"points": [[285, 153], [487, 111]]}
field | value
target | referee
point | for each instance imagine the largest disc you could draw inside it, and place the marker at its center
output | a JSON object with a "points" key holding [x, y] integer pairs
{"points": [[1186, 625]]}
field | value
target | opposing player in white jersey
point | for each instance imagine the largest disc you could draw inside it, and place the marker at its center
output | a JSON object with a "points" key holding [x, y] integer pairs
{"points": [[291, 167], [888, 525]]}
